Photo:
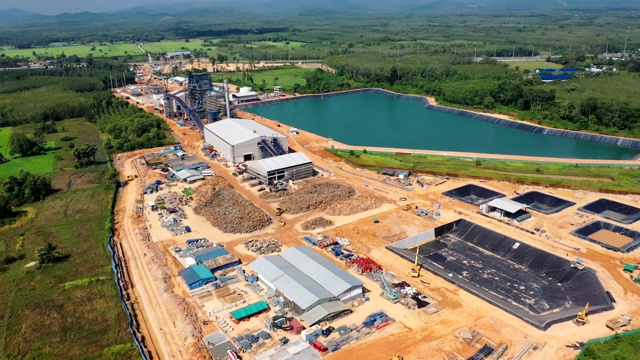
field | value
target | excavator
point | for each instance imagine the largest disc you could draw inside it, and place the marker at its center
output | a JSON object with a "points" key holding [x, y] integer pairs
{"points": [[280, 211], [397, 357], [415, 270], [582, 318]]}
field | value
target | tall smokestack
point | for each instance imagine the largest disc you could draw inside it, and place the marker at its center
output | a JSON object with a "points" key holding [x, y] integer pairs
{"points": [[226, 98]]}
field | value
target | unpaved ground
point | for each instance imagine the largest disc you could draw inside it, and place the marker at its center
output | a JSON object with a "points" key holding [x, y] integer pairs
{"points": [[415, 335]]}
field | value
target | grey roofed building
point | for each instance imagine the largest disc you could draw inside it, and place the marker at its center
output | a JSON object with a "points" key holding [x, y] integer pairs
{"points": [[321, 270], [280, 162], [278, 273], [306, 278], [324, 311], [507, 205], [189, 175]]}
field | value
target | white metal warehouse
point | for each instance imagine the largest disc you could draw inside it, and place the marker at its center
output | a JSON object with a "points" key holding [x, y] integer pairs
{"points": [[294, 166], [306, 278], [240, 140]]}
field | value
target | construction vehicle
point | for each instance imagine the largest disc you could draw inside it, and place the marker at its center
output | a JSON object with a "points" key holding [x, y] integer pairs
{"points": [[282, 222], [397, 357], [578, 264], [415, 270], [618, 322], [280, 211], [407, 207], [130, 177], [387, 293], [582, 318], [278, 186]]}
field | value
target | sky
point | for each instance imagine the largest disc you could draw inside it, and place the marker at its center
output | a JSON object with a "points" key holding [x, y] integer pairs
{"points": [[52, 7]]}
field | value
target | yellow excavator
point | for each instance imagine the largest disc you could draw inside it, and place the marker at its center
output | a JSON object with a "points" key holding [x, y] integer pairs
{"points": [[415, 270], [582, 318], [397, 357]]}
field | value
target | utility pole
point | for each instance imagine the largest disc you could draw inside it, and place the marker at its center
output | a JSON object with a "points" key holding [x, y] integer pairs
{"points": [[513, 51], [475, 52], [495, 49], [532, 50]]}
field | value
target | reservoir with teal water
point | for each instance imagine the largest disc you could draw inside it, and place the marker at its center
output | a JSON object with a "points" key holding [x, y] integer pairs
{"points": [[373, 119]]}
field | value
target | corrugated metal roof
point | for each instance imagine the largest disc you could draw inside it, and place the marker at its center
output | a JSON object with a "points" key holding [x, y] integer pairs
{"points": [[321, 311], [320, 269], [304, 276], [507, 205], [289, 280], [237, 131], [209, 253], [279, 162]]}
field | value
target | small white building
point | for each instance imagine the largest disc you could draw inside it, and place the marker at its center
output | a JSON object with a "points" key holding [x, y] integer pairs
{"points": [[245, 94], [240, 140], [189, 176]]}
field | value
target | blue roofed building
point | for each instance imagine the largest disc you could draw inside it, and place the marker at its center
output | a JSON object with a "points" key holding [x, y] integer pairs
{"points": [[196, 276], [561, 77]]}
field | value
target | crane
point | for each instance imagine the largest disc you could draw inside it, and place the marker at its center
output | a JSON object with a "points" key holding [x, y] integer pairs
{"points": [[582, 318], [387, 293], [415, 270]]}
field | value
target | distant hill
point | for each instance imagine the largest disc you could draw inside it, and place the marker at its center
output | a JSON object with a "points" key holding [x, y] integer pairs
{"points": [[207, 9]]}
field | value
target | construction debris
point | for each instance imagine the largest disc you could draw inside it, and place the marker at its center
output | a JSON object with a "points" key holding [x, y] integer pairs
{"points": [[355, 205], [274, 195], [471, 337], [315, 196], [227, 210], [316, 223], [263, 246]]}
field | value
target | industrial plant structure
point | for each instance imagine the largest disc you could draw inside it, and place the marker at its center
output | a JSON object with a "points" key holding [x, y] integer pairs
{"points": [[239, 140], [294, 166]]}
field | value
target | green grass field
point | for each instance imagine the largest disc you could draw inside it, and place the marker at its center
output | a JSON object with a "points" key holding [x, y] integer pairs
{"points": [[286, 77], [606, 87], [5, 135], [532, 65], [43, 317], [579, 177], [118, 49], [41, 164], [280, 44], [180, 45]]}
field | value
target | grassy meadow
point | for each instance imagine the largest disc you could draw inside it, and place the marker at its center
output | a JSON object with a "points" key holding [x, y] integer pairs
{"points": [[70, 309], [578, 177], [531, 65], [608, 87], [116, 49], [5, 135], [176, 45], [287, 77]]}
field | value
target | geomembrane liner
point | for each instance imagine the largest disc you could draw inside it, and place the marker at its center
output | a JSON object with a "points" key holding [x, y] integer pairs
{"points": [[536, 286], [473, 194], [610, 236], [613, 210], [544, 203]]}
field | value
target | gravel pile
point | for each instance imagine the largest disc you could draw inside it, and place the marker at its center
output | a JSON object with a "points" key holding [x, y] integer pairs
{"points": [[316, 223], [267, 195], [315, 196]]}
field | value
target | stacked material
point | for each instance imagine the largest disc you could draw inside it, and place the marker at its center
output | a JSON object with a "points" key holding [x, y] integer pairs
{"points": [[315, 196], [263, 246], [227, 210], [316, 223]]}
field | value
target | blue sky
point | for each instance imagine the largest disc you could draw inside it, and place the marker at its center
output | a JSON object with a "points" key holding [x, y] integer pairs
{"points": [[50, 7]]}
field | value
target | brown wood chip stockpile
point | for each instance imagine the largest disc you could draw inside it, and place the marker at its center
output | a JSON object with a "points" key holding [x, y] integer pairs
{"points": [[227, 210], [316, 223], [315, 196], [355, 205], [275, 195]]}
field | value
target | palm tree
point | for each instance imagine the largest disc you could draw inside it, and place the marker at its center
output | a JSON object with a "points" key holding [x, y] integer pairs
{"points": [[47, 254]]}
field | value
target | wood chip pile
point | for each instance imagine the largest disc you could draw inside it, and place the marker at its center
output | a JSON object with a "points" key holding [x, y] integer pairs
{"points": [[315, 196], [316, 223], [263, 246], [227, 210], [355, 205], [275, 195]]}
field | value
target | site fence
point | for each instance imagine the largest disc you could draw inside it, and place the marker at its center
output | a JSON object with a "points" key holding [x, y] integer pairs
{"points": [[607, 338], [614, 140], [137, 339]]}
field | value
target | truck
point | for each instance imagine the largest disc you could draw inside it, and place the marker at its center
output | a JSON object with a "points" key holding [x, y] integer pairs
{"points": [[618, 322]]}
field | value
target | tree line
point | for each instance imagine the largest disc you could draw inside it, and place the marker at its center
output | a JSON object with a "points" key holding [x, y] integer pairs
{"points": [[18, 190]]}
